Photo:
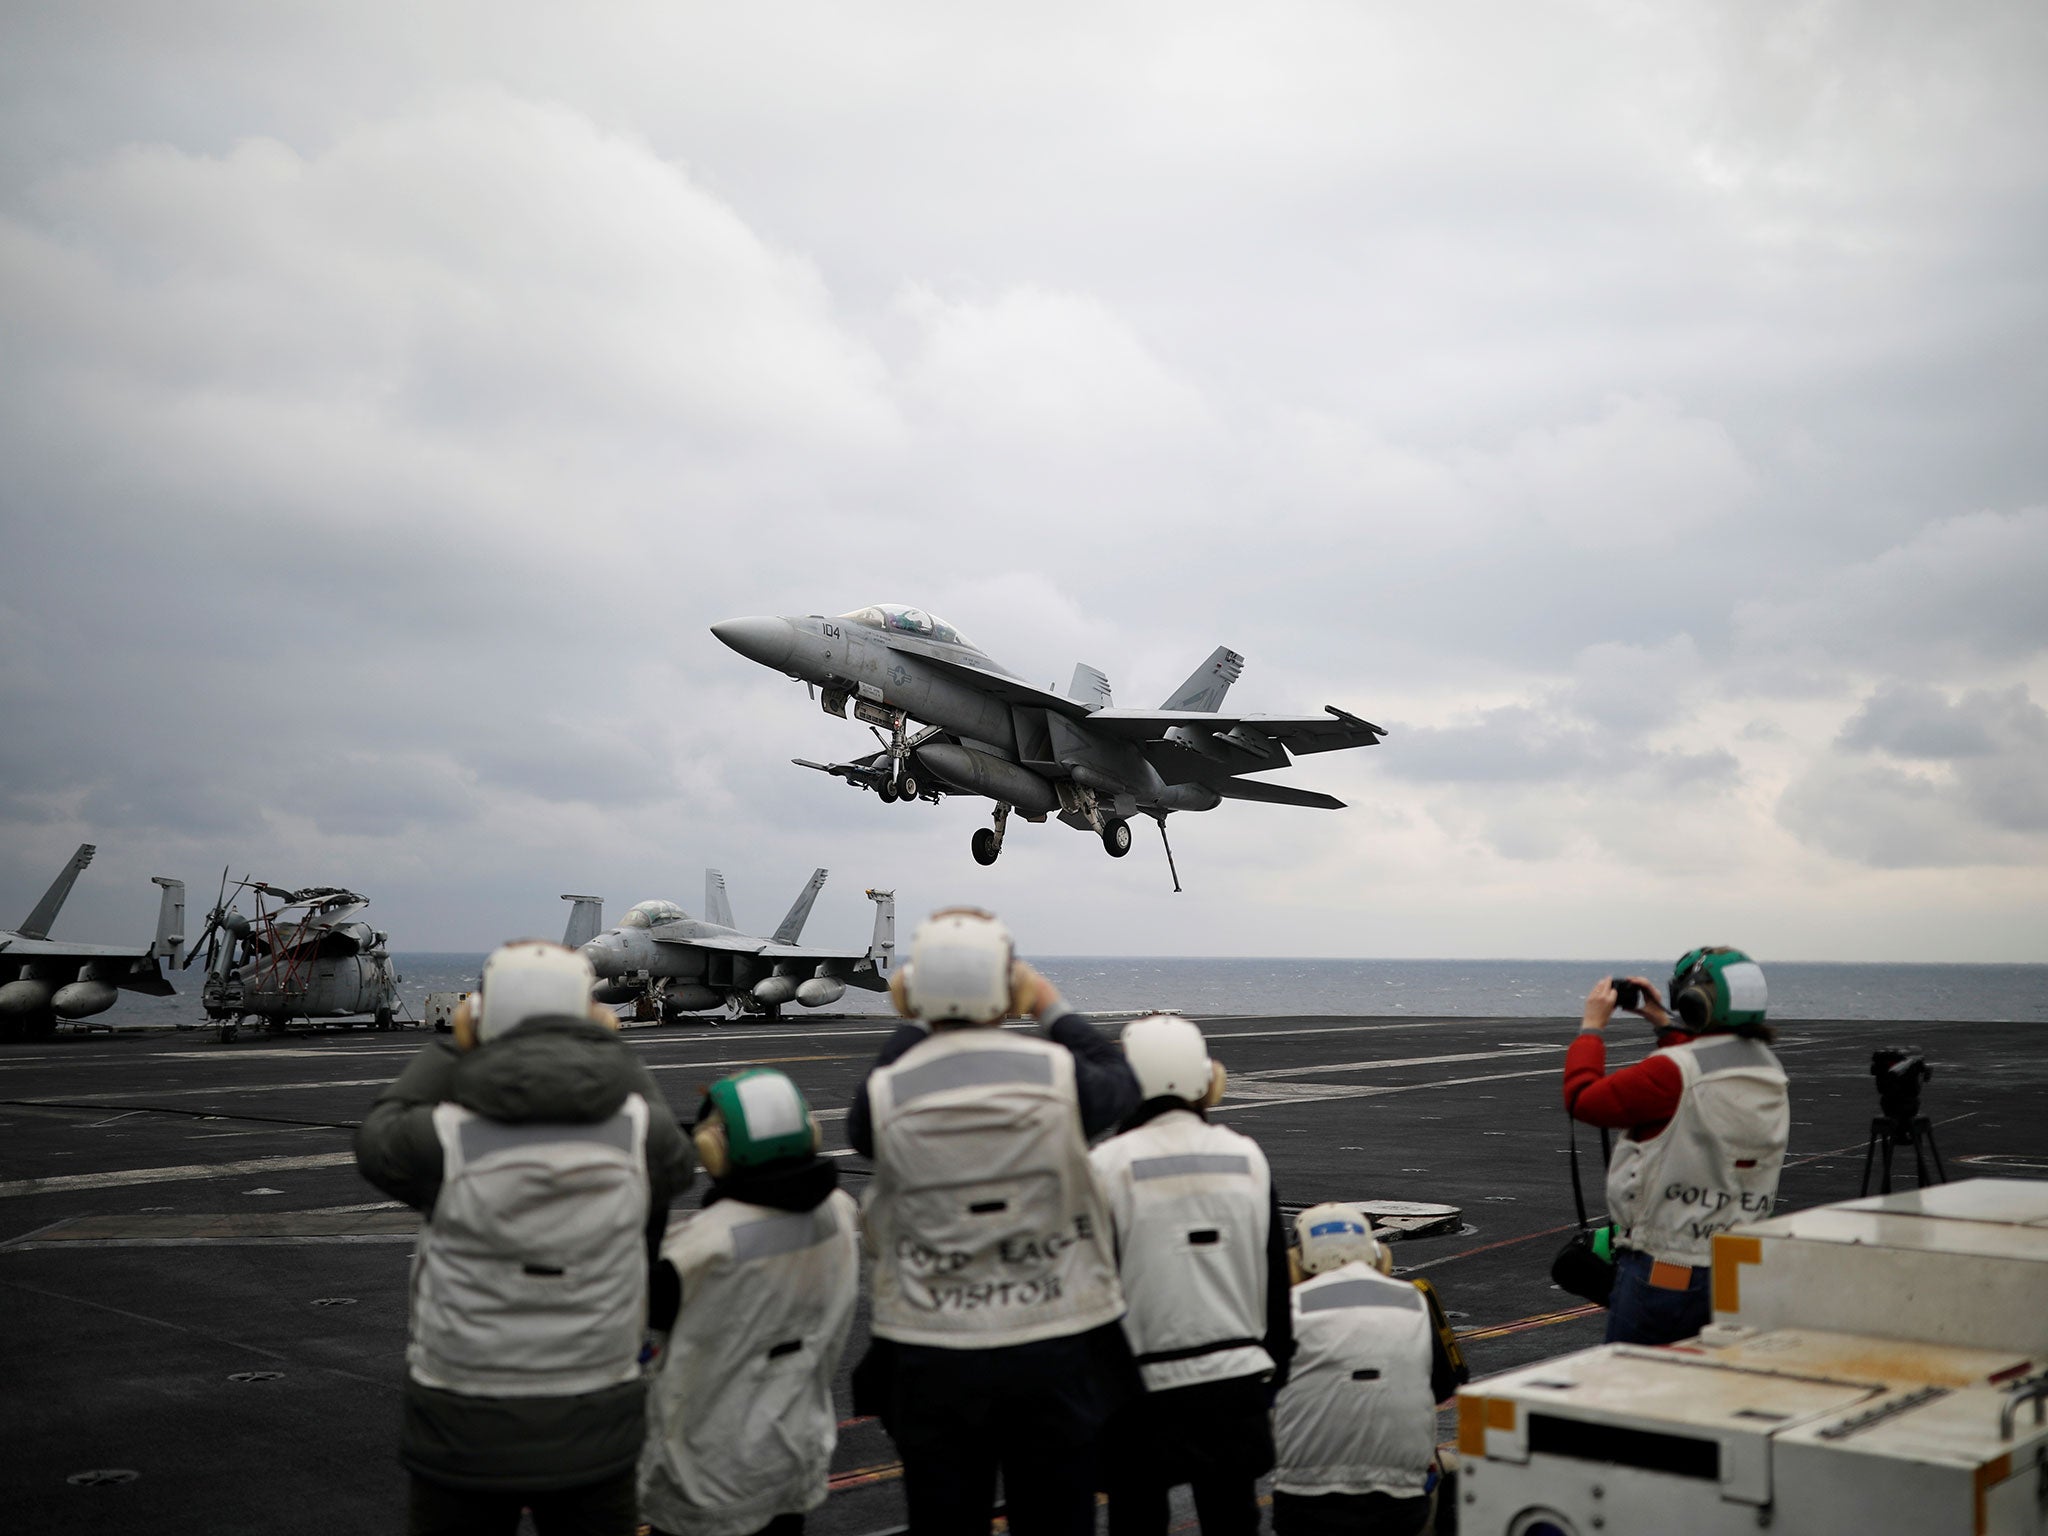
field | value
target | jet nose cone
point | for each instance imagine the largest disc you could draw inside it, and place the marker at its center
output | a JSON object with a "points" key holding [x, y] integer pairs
{"points": [[766, 640]]}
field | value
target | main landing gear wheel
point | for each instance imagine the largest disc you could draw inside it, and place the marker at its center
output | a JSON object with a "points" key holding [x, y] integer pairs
{"points": [[907, 787], [1116, 837], [986, 849], [888, 793]]}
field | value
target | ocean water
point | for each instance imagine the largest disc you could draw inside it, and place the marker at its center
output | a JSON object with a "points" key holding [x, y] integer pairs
{"points": [[1421, 988]]}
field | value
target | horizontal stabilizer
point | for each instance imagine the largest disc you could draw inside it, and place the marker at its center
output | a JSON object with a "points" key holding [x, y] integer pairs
{"points": [[1210, 682], [37, 924], [1276, 794]]}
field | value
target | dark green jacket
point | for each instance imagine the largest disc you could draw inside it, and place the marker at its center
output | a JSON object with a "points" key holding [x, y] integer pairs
{"points": [[553, 1069]]}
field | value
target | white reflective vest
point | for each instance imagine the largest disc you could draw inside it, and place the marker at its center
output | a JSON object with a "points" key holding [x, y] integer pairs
{"points": [[1716, 1165], [1193, 1204], [984, 1217], [1356, 1415], [740, 1422], [531, 1275]]}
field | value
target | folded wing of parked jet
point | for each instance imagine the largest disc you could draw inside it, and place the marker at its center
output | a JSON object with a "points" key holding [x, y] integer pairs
{"points": [[48, 979]]}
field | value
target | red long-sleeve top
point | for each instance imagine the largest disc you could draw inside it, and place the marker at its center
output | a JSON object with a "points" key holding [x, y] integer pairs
{"points": [[1640, 1099]]}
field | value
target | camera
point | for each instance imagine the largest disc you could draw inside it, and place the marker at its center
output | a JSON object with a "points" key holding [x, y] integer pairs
{"points": [[1627, 994], [1900, 1070]]}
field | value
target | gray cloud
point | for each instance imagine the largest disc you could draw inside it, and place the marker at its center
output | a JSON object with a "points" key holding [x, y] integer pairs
{"points": [[1612, 406]]}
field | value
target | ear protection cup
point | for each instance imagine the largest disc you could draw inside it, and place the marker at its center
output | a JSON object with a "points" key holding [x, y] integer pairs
{"points": [[1218, 1078], [462, 1023], [712, 1153], [1695, 1007], [599, 1014], [899, 991]]}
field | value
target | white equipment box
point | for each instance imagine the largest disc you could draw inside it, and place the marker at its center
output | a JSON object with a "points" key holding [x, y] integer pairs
{"points": [[1875, 1366], [440, 1009]]}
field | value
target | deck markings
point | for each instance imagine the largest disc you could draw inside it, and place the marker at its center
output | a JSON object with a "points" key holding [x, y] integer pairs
{"points": [[120, 1177]]}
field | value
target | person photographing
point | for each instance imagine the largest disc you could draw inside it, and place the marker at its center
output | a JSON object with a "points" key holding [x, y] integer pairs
{"points": [[1705, 1119], [995, 1296]]}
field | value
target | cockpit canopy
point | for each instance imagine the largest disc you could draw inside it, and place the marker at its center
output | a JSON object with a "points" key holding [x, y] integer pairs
{"points": [[910, 621], [652, 914]]}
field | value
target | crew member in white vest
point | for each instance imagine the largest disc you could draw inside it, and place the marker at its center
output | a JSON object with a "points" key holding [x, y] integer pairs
{"points": [[1202, 1252], [755, 1295], [1355, 1425], [1706, 1118], [544, 1158], [995, 1294]]}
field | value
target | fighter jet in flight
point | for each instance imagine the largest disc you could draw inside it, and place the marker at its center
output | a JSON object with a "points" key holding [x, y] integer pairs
{"points": [[988, 732], [48, 979], [678, 964]]}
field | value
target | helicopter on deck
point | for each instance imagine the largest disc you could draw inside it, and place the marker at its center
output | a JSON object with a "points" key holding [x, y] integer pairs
{"points": [[306, 958]]}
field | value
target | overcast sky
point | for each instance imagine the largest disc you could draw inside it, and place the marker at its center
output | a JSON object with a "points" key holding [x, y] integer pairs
{"points": [[1641, 411]]}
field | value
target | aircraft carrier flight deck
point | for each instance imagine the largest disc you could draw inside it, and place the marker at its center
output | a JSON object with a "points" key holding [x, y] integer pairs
{"points": [[206, 1305]]}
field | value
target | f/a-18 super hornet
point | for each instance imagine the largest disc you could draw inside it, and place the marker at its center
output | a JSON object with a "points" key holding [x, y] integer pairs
{"points": [[663, 958], [308, 957], [49, 979], [988, 732]]}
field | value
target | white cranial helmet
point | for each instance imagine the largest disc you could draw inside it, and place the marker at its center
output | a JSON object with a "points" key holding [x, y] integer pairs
{"points": [[960, 967], [1335, 1234], [529, 980], [1171, 1060]]}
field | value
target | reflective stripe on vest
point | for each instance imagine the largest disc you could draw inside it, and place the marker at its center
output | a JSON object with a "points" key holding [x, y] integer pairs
{"points": [[1361, 1293], [978, 1070], [1190, 1162]]}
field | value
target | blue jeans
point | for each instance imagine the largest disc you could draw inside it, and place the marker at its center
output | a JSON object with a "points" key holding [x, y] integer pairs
{"points": [[1642, 1313]]}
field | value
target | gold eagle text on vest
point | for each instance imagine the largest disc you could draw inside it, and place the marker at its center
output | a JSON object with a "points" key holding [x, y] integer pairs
{"points": [[985, 1219]]}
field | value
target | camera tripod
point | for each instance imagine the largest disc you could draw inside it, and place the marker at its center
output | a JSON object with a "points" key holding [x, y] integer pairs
{"points": [[1892, 1131]]}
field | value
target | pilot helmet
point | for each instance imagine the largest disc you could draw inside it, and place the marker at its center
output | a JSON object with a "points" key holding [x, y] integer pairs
{"points": [[1334, 1234], [1171, 1061]]}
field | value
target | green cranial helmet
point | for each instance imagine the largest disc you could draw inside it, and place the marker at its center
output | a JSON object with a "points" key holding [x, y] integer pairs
{"points": [[765, 1118], [1718, 988]]}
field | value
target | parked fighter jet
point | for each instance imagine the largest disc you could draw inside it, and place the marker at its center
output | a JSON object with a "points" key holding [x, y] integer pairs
{"points": [[306, 958], [50, 979], [679, 964], [991, 733]]}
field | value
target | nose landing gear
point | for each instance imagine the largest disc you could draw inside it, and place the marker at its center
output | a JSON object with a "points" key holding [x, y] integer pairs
{"points": [[1116, 836]]}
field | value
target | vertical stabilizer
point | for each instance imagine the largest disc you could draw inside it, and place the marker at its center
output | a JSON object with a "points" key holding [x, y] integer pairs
{"points": [[170, 920], [37, 924], [1211, 680], [882, 947], [1089, 687], [793, 925], [586, 917], [717, 905]]}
